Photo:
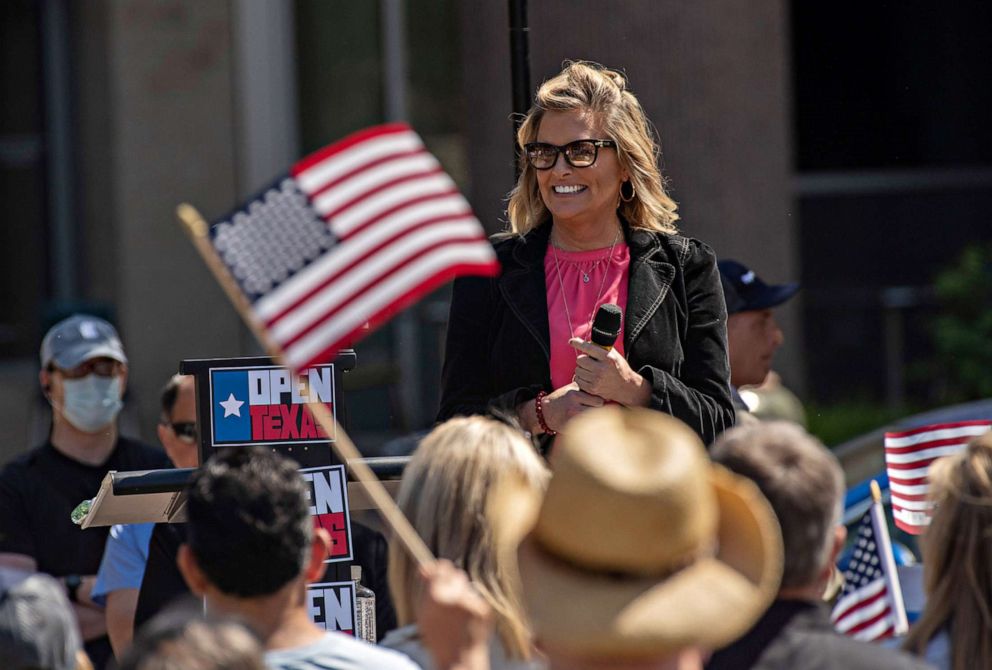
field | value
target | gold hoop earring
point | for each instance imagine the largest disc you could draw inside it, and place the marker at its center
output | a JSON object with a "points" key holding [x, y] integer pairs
{"points": [[633, 191]]}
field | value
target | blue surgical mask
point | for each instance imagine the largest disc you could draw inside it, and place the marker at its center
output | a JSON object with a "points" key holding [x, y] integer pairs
{"points": [[92, 402]]}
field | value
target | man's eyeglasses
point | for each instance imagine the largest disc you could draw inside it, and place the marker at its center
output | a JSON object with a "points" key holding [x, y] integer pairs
{"points": [[101, 367], [183, 430], [579, 154]]}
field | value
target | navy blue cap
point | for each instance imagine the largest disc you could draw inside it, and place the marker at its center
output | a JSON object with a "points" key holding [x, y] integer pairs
{"points": [[745, 291]]}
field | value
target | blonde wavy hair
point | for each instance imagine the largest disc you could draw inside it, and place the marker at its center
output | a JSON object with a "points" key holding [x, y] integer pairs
{"points": [[957, 558], [591, 87], [446, 492]]}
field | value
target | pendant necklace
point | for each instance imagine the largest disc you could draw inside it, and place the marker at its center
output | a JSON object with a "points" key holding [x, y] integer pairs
{"points": [[585, 280]]}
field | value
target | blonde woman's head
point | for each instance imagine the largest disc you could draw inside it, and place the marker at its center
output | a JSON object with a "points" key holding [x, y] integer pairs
{"points": [[957, 557], [960, 532], [445, 493], [591, 88]]}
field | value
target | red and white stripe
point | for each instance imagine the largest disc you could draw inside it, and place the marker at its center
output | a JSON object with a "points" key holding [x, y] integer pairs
{"points": [[866, 613], [876, 610], [402, 228], [908, 456]]}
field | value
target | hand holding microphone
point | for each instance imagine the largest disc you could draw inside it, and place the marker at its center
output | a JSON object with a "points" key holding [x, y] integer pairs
{"points": [[606, 326], [601, 370], [601, 374], [570, 400]]}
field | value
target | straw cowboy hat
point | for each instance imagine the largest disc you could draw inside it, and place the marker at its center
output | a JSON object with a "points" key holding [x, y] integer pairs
{"points": [[641, 546]]}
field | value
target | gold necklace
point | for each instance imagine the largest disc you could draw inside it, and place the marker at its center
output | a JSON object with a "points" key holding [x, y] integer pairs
{"points": [[602, 285]]}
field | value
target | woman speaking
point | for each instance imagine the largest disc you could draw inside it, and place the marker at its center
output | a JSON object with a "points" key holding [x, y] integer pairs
{"points": [[590, 224]]}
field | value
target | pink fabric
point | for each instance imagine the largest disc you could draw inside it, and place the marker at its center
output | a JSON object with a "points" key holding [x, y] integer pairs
{"points": [[582, 299]]}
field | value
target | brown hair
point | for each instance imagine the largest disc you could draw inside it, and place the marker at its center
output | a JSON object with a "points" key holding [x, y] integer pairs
{"points": [[591, 87], [193, 644], [446, 493], [803, 482], [957, 558]]}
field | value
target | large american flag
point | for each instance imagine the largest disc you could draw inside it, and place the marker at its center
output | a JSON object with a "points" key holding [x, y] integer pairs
{"points": [[908, 455], [870, 607], [353, 234]]}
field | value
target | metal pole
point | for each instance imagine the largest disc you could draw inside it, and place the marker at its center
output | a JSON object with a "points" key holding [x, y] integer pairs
{"points": [[895, 301], [394, 59], [58, 149], [519, 69], [406, 331]]}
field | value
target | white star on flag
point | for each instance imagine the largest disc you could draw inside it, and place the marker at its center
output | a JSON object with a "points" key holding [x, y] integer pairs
{"points": [[232, 406]]}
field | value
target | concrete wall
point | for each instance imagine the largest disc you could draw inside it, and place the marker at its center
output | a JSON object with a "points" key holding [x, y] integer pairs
{"points": [[175, 102]]}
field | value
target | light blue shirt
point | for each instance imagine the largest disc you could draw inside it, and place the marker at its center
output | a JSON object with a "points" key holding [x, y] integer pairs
{"points": [[406, 640], [337, 651], [939, 651], [124, 560]]}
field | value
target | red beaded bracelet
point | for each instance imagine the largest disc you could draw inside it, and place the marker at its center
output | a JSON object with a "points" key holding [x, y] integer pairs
{"points": [[540, 414]]}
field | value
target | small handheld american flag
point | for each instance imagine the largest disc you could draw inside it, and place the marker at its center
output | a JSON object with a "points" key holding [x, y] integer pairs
{"points": [[908, 455], [353, 234], [871, 607]]}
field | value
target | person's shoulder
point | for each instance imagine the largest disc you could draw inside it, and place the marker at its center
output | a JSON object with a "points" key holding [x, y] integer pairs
{"points": [[22, 465], [406, 641], [338, 650], [506, 246], [685, 250], [876, 656], [370, 655], [678, 249], [140, 456], [505, 242], [853, 654], [938, 651]]}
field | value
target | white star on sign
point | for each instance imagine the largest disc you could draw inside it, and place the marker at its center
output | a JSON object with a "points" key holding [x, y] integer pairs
{"points": [[232, 406]]}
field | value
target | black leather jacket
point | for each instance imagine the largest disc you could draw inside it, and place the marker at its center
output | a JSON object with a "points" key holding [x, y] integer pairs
{"points": [[497, 354]]}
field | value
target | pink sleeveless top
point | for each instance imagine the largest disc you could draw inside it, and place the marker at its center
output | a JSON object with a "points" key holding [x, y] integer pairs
{"points": [[583, 298]]}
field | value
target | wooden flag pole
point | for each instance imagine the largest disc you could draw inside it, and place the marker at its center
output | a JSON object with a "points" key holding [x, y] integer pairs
{"points": [[197, 229]]}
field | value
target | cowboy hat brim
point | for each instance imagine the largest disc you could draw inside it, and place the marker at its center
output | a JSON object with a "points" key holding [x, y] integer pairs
{"points": [[707, 604]]}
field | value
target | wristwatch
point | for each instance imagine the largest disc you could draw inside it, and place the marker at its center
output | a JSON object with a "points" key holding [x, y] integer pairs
{"points": [[72, 584]]}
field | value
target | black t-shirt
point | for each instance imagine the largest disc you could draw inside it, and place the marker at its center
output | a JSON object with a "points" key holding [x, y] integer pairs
{"points": [[162, 582], [39, 490]]}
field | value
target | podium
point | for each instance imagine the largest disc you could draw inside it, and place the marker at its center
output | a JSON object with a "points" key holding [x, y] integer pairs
{"points": [[253, 403]]}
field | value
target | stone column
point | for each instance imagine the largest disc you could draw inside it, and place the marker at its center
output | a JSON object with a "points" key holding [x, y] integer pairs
{"points": [[159, 113]]}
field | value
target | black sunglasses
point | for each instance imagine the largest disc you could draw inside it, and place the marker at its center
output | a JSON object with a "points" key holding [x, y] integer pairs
{"points": [[579, 154], [185, 431]]}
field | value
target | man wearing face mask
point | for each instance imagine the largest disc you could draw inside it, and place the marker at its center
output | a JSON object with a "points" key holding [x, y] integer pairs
{"points": [[83, 375]]}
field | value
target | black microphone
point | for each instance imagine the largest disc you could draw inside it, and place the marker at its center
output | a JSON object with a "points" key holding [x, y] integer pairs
{"points": [[606, 326]]}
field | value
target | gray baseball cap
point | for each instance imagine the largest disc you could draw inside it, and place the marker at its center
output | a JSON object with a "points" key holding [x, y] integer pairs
{"points": [[37, 626], [78, 339]]}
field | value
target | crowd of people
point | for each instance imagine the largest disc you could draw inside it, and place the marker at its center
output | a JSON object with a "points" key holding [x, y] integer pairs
{"points": [[588, 506]]}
